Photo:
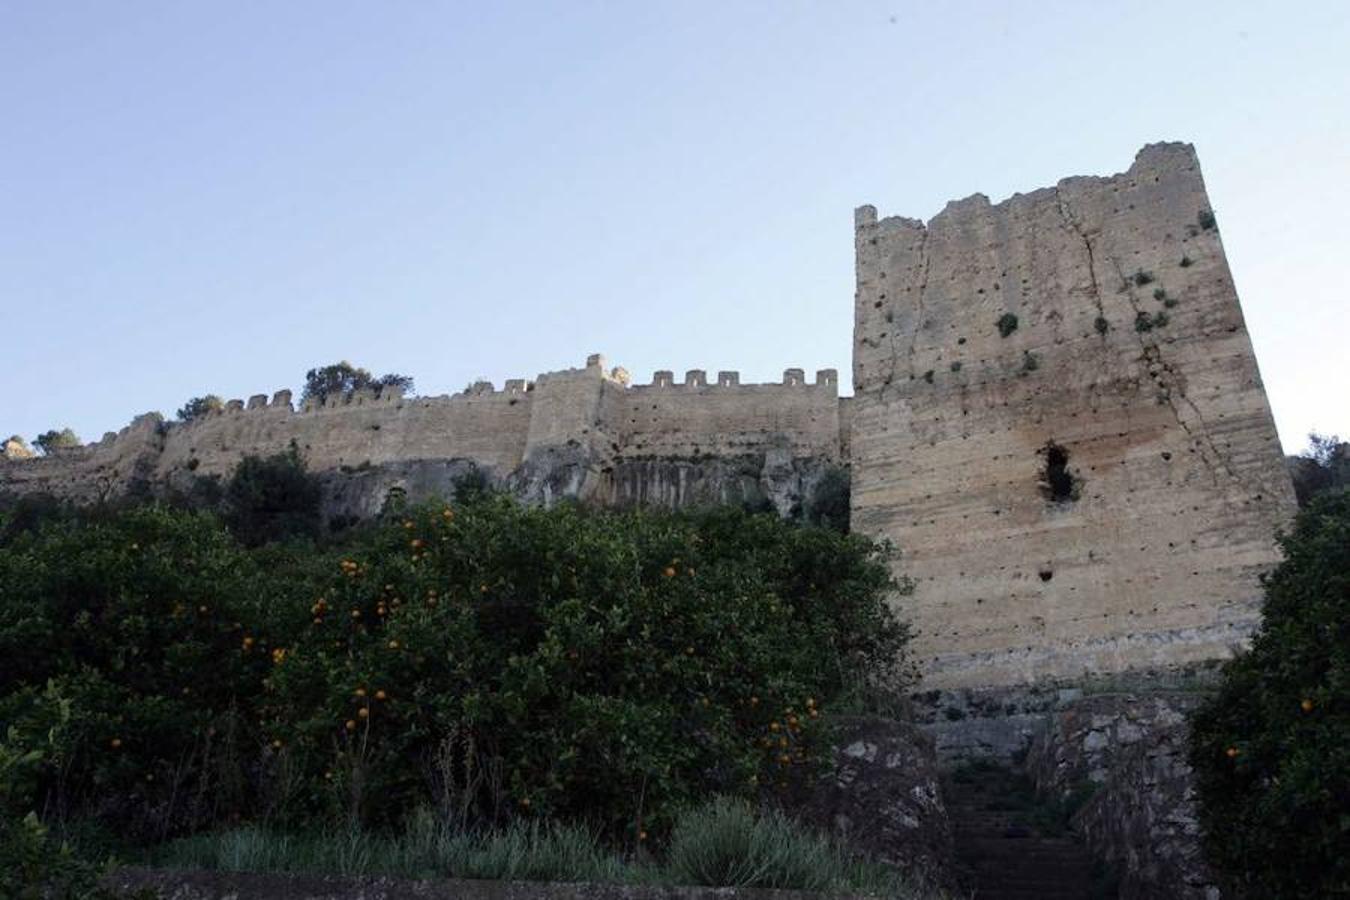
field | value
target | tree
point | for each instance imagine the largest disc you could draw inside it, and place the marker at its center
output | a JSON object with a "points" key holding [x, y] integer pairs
{"points": [[56, 440], [272, 498], [341, 379], [1271, 749], [1323, 466], [200, 406]]}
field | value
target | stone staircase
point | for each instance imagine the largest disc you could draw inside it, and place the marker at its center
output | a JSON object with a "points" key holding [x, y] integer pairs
{"points": [[1010, 846]]}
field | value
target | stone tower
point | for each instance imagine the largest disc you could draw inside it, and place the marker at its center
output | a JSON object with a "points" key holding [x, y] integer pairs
{"points": [[1059, 421]]}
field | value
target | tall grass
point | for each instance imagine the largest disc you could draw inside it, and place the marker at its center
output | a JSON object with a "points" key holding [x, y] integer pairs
{"points": [[723, 844]]}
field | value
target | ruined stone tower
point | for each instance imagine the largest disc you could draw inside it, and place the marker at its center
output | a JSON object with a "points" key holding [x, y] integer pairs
{"points": [[1059, 421]]}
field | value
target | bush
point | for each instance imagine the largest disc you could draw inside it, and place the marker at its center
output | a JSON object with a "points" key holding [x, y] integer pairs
{"points": [[56, 440], [1324, 466], [1007, 324], [609, 667], [1272, 750], [200, 406], [492, 661], [727, 844], [342, 379], [828, 505], [272, 498]]}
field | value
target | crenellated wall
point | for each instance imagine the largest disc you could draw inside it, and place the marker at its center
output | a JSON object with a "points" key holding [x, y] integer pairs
{"points": [[565, 433]]}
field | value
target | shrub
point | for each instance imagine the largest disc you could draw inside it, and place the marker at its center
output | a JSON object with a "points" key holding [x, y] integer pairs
{"points": [[599, 666], [828, 505], [1141, 277], [1030, 362], [1272, 749], [342, 379], [1101, 325], [1007, 324], [727, 844], [1206, 220], [1324, 466], [494, 661], [56, 440], [272, 498], [200, 406]]}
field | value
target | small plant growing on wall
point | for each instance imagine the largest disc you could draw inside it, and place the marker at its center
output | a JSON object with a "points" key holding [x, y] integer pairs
{"points": [[1007, 324], [1207, 220], [1101, 325], [1141, 278], [956, 366], [1186, 262], [1144, 322], [1030, 362], [928, 376]]}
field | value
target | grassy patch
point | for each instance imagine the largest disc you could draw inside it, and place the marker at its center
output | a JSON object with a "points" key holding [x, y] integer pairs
{"points": [[724, 843]]}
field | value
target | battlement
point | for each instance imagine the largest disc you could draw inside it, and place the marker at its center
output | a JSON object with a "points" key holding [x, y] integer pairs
{"points": [[698, 378]]}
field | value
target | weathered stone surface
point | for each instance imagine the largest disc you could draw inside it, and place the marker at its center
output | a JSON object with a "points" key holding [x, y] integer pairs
{"points": [[883, 798], [1095, 321], [1141, 817]]}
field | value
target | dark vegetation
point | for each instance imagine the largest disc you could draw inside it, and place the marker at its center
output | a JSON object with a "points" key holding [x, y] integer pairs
{"points": [[56, 440], [342, 379], [1007, 324], [1324, 466], [1271, 750], [200, 406], [168, 672]]}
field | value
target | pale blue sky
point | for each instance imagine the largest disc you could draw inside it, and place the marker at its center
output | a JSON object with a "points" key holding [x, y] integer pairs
{"points": [[213, 197]]}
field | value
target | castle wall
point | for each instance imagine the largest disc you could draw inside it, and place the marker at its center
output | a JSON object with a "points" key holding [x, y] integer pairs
{"points": [[487, 426], [1178, 484], [699, 416]]}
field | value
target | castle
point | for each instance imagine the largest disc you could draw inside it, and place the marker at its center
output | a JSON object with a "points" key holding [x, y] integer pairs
{"points": [[1057, 419]]}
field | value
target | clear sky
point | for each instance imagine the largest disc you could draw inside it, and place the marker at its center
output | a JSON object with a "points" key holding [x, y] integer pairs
{"points": [[213, 197]]}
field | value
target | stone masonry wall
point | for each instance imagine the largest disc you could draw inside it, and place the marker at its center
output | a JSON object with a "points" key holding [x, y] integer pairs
{"points": [[1127, 753], [1128, 363], [582, 432]]}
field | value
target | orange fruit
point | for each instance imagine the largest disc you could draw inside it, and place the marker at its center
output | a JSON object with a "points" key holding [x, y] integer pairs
{"points": [[115, 743], [1307, 705], [1232, 752], [669, 572], [381, 695], [362, 713], [393, 645], [360, 692], [351, 725]]}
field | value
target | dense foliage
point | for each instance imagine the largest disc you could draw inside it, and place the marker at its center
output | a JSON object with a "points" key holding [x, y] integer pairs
{"points": [[1324, 466], [1272, 749], [342, 378], [200, 406], [271, 498], [56, 440], [487, 660]]}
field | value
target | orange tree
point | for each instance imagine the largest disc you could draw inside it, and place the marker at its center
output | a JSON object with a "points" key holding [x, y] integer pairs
{"points": [[491, 660], [127, 628], [1272, 749], [571, 663]]}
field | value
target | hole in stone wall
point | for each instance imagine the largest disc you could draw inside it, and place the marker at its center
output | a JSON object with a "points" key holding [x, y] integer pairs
{"points": [[1057, 483], [1046, 574]]}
